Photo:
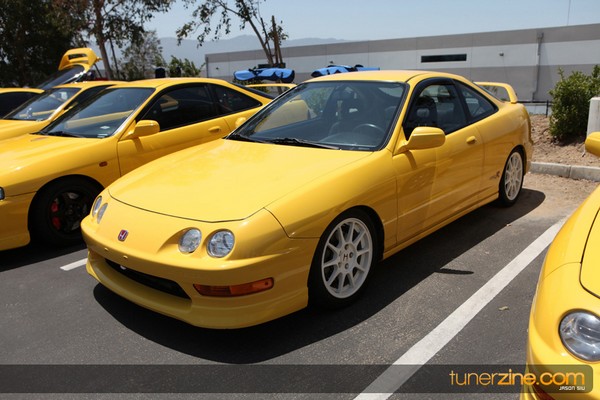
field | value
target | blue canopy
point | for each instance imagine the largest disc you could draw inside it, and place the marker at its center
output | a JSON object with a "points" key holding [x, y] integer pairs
{"points": [[283, 75], [338, 69]]}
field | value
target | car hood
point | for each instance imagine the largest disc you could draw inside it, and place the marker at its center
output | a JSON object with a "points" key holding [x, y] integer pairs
{"points": [[590, 264], [226, 180]]}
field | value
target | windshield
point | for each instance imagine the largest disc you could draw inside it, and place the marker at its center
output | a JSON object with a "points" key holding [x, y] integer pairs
{"points": [[43, 106], [101, 116], [67, 75], [348, 115]]}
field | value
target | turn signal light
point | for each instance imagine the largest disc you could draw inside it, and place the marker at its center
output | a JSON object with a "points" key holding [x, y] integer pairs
{"points": [[234, 290]]}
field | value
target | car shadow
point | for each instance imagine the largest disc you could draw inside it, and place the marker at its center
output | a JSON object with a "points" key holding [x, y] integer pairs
{"points": [[34, 253], [392, 278]]}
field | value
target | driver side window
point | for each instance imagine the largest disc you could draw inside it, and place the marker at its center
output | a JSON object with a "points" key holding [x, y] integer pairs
{"points": [[438, 106], [182, 106]]}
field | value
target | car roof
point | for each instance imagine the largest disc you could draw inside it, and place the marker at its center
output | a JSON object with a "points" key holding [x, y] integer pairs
{"points": [[87, 84], [384, 75], [161, 82], [21, 90]]}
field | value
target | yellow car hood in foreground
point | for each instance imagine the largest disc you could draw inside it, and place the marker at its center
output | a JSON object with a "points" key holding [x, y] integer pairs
{"points": [[226, 180], [590, 267]]}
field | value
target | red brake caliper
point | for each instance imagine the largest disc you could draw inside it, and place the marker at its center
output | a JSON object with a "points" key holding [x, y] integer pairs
{"points": [[54, 209]]}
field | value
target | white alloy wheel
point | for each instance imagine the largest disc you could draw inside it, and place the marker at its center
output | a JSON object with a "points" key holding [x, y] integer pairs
{"points": [[512, 178], [346, 257]]}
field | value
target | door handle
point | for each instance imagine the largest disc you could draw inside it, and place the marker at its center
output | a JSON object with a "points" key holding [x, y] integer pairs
{"points": [[214, 129], [471, 140]]}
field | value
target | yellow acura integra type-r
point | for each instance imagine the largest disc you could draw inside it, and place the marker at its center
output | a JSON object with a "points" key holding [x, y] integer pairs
{"points": [[37, 113], [304, 198], [49, 179], [564, 324]]}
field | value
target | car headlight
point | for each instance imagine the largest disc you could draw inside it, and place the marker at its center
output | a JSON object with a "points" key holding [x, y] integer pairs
{"points": [[101, 212], [580, 333], [220, 244], [190, 241], [96, 206]]}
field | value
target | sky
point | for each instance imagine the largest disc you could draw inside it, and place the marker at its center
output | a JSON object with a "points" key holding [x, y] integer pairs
{"points": [[391, 19]]}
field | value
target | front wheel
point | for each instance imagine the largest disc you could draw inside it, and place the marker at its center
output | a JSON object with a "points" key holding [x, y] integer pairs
{"points": [[512, 179], [343, 260], [57, 210]]}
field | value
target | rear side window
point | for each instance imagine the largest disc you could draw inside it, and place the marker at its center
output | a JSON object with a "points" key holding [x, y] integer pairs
{"points": [[478, 106], [232, 101]]}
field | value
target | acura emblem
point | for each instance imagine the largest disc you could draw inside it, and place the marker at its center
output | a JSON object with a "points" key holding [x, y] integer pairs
{"points": [[123, 235]]}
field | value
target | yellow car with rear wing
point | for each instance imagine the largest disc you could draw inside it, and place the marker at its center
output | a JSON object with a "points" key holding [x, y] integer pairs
{"points": [[301, 201]]}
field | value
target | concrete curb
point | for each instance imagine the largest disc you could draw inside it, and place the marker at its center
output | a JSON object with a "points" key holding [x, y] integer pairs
{"points": [[567, 171]]}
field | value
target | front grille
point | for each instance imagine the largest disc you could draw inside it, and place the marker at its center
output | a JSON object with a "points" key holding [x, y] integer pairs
{"points": [[154, 282]]}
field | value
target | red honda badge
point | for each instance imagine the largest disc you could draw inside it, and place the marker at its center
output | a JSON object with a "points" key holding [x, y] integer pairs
{"points": [[123, 235]]}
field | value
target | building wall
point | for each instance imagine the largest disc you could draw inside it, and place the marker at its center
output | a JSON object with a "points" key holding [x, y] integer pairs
{"points": [[527, 59]]}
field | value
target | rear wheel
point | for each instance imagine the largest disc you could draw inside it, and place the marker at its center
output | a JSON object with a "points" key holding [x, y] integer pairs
{"points": [[57, 210], [512, 179], [343, 260]]}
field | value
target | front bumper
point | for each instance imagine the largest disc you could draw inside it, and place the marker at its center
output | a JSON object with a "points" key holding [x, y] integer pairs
{"points": [[150, 251]]}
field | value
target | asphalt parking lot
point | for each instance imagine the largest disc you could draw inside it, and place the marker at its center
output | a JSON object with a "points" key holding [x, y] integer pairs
{"points": [[457, 298]]}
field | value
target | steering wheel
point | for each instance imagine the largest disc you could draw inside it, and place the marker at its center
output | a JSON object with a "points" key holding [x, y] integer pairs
{"points": [[369, 129]]}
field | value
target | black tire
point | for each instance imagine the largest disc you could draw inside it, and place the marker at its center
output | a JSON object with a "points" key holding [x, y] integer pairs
{"points": [[343, 260], [512, 179], [57, 210]]}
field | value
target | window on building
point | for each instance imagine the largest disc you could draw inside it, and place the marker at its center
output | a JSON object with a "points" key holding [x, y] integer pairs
{"points": [[443, 58]]}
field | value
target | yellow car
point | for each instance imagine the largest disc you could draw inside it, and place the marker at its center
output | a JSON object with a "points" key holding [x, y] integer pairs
{"points": [[564, 324], [11, 98], [303, 199], [48, 180], [39, 111]]}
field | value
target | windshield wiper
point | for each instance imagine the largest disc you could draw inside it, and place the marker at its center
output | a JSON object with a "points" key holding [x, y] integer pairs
{"points": [[61, 134], [301, 142], [242, 138]]}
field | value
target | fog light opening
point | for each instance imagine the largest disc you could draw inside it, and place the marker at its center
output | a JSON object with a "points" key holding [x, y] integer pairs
{"points": [[235, 290]]}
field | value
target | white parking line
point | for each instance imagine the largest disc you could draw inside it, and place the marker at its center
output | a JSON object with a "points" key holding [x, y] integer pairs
{"points": [[393, 378], [73, 265]]}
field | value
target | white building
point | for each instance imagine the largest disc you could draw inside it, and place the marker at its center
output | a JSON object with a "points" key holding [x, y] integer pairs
{"points": [[528, 59]]}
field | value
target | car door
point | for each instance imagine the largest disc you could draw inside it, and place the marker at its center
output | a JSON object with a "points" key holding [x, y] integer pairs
{"points": [[495, 136], [437, 183], [188, 115]]}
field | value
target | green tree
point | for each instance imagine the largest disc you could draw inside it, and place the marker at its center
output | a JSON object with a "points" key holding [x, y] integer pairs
{"points": [[185, 67], [270, 35], [140, 59], [32, 40], [571, 103]]}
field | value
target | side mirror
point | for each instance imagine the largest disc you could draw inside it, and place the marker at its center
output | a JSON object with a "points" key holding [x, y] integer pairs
{"points": [[240, 121], [592, 143], [423, 137], [145, 127]]}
